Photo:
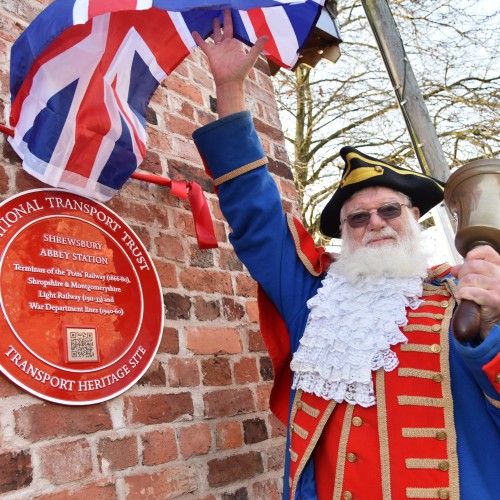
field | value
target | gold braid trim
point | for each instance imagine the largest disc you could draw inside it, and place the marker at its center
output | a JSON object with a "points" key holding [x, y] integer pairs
{"points": [[425, 315], [417, 348], [422, 328], [439, 270], [426, 463], [415, 372], [435, 291], [421, 401], [341, 456], [312, 412], [426, 492], [299, 431], [449, 419], [383, 435], [443, 303], [240, 171], [494, 402], [314, 439], [424, 432], [302, 256]]}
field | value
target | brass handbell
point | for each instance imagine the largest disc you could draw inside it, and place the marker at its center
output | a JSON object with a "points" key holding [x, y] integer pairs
{"points": [[472, 195]]}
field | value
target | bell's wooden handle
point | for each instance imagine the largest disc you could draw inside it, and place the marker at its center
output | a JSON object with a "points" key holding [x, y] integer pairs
{"points": [[466, 321]]}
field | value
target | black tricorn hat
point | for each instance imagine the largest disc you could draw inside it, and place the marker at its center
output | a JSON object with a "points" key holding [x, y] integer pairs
{"points": [[362, 171]]}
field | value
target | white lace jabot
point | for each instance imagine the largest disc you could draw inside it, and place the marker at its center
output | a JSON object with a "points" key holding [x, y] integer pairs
{"points": [[349, 333]]}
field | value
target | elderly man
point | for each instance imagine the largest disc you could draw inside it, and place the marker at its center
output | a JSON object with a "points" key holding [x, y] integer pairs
{"points": [[379, 398]]}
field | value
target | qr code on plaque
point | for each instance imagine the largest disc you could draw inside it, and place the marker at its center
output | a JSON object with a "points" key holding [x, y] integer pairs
{"points": [[82, 344]]}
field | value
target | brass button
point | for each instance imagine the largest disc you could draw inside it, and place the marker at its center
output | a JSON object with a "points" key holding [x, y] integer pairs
{"points": [[438, 316], [437, 377], [357, 421], [444, 465], [351, 457], [341, 183], [292, 427], [379, 169], [436, 348], [299, 405], [347, 495], [443, 494], [441, 435], [497, 378], [436, 328], [444, 303]]}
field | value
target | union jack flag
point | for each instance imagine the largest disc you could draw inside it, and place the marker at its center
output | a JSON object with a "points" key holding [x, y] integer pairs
{"points": [[83, 72]]}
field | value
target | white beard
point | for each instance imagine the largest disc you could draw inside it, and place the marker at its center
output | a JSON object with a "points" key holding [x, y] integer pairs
{"points": [[404, 257], [356, 317]]}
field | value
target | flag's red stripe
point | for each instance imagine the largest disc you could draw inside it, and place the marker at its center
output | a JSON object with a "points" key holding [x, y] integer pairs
{"points": [[92, 121], [261, 28], [99, 7], [141, 145], [70, 37]]}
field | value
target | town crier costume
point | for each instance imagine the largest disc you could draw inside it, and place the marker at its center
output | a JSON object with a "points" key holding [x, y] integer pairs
{"points": [[379, 398]]}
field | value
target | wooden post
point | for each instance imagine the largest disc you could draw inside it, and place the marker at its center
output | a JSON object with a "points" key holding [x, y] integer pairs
{"points": [[420, 127]]}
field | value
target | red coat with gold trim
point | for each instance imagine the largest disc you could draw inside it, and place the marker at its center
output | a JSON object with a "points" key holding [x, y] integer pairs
{"points": [[435, 431]]}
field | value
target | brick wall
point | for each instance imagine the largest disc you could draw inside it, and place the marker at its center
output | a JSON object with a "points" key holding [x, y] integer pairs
{"points": [[197, 424]]}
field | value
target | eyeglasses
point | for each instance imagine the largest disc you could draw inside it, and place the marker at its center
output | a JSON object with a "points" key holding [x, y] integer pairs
{"points": [[387, 212]]}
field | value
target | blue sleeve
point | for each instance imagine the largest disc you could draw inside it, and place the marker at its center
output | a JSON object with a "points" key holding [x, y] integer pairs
{"points": [[476, 359], [252, 206]]}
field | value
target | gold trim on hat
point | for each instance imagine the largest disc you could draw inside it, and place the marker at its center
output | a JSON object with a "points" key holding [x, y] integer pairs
{"points": [[352, 155]]}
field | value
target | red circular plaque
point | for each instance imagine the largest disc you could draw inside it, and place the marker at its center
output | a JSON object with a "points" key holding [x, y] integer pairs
{"points": [[74, 284]]}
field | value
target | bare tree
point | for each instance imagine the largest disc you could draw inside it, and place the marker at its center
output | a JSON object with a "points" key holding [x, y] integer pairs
{"points": [[452, 47]]}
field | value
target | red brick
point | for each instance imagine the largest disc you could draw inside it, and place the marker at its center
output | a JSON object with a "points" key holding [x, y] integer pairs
{"points": [[169, 341], [266, 489], [229, 435], [184, 223], [236, 468], [169, 483], [245, 371], [183, 372], [263, 395], [213, 340], [178, 125], [203, 280], [246, 286], [167, 273], [169, 247], [266, 369], [276, 456], [233, 311], [158, 408], [177, 306], [254, 431], [200, 258], [195, 440], [227, 403], [206, 310], [47, 420], [152, 163], [255, 341], [7, 388], [4, 182], [117, 454], [252, 310], [101, 490], [159, 140], [216, 371], [159, 447], [183, 87], [154, 376], [65, 462], [16, 471]]}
